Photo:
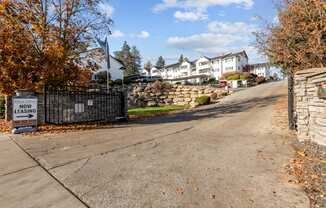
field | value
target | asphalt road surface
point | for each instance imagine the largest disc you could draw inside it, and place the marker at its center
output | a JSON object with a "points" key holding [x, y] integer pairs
{"points": [[230, 154]]}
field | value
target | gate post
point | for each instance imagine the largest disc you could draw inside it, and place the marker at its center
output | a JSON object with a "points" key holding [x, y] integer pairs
{"points": [[292, 123], [124, 104], [45, 89]]}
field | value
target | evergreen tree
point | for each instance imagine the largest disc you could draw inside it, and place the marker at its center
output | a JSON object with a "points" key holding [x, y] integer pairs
{"points": [[136, 60], [181, 59], [160, 62], [131, 58]]}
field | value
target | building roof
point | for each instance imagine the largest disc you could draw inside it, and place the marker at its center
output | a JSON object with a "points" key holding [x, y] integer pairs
{"points": [[214, 58], [172, 65], [230, 55], [259, 65]]}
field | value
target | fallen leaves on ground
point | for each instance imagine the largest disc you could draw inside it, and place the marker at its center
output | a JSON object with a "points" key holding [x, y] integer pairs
{"points": [[71, 127], [281, 113], [180, 191], [309, 168], [4, 126]]}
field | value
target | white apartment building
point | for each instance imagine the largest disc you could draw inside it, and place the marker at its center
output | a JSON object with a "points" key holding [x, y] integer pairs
{"points": [[203, 68], [262, 70]]}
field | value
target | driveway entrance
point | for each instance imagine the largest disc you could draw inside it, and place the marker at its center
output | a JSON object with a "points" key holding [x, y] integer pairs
{"points": [[227, 155]]}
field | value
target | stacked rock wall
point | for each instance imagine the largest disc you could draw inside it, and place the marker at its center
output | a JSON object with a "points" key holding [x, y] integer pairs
{"points": [[154, 94], [310, 107]]}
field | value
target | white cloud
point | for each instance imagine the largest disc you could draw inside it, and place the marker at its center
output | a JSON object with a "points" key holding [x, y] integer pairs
{"points": [[255, 18], [205, 42], [143, 34], [191, 16], [203, 4], [106, 9], [221, 37], [231, 27], [117, 34]]}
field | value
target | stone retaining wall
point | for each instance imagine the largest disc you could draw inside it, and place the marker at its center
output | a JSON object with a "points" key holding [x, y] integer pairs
{"points": [[143, 95], [310, 109]]}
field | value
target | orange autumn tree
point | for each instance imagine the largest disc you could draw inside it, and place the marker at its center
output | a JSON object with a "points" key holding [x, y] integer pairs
{"points": [[298, 40], [42, 42]]}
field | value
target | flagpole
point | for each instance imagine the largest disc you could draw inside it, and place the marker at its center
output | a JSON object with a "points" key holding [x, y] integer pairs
{"points": [[107, 52]]}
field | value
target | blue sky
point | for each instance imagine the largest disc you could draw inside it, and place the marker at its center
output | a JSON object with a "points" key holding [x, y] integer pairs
{"points": [[190, 27]]}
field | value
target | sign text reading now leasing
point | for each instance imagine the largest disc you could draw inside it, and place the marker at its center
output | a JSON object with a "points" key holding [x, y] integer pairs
{"points": [[24, 111]]}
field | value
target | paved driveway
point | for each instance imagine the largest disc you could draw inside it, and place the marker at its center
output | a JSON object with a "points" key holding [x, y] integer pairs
{"points": [[226, 155]]}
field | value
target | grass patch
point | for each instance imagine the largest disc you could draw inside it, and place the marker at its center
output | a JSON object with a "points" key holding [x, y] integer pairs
{"points": [[150, 111]]}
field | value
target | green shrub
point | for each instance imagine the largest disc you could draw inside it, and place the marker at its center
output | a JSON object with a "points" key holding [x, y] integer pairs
{"points": [[233, 77], [223, 94], [178, 83], [118, 82], [214, 96], [2, 107], [126, 81], [203, 100], [111, 83], [212, 80]]}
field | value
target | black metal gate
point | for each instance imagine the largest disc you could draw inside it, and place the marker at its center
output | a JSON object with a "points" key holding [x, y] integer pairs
{"points": [[69, 105]]}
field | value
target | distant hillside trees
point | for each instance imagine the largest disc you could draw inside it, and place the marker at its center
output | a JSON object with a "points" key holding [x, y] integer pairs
{"points": [[131, 58]]}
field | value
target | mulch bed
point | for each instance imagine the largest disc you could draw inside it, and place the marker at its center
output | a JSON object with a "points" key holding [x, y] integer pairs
{"points": [[5, 127], [309, 169]]}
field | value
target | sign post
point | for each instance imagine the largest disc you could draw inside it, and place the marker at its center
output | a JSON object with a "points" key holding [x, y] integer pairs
{"points": [[24, 114]]}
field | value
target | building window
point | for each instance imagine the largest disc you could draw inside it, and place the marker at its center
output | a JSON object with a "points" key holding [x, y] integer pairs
{"points": [[229, 68], [204, 71], [203, 63], [229, 60]]}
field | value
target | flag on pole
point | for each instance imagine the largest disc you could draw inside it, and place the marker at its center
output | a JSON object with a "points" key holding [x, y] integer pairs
{"points": [[106, 49]]}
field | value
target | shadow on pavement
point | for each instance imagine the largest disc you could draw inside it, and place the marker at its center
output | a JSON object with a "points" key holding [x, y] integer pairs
{"points": [[213, 111]]}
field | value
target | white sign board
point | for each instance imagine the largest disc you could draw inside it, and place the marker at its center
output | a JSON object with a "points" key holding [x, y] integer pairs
{"points": [[24, 111], [79, 108], [90, 102]]}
